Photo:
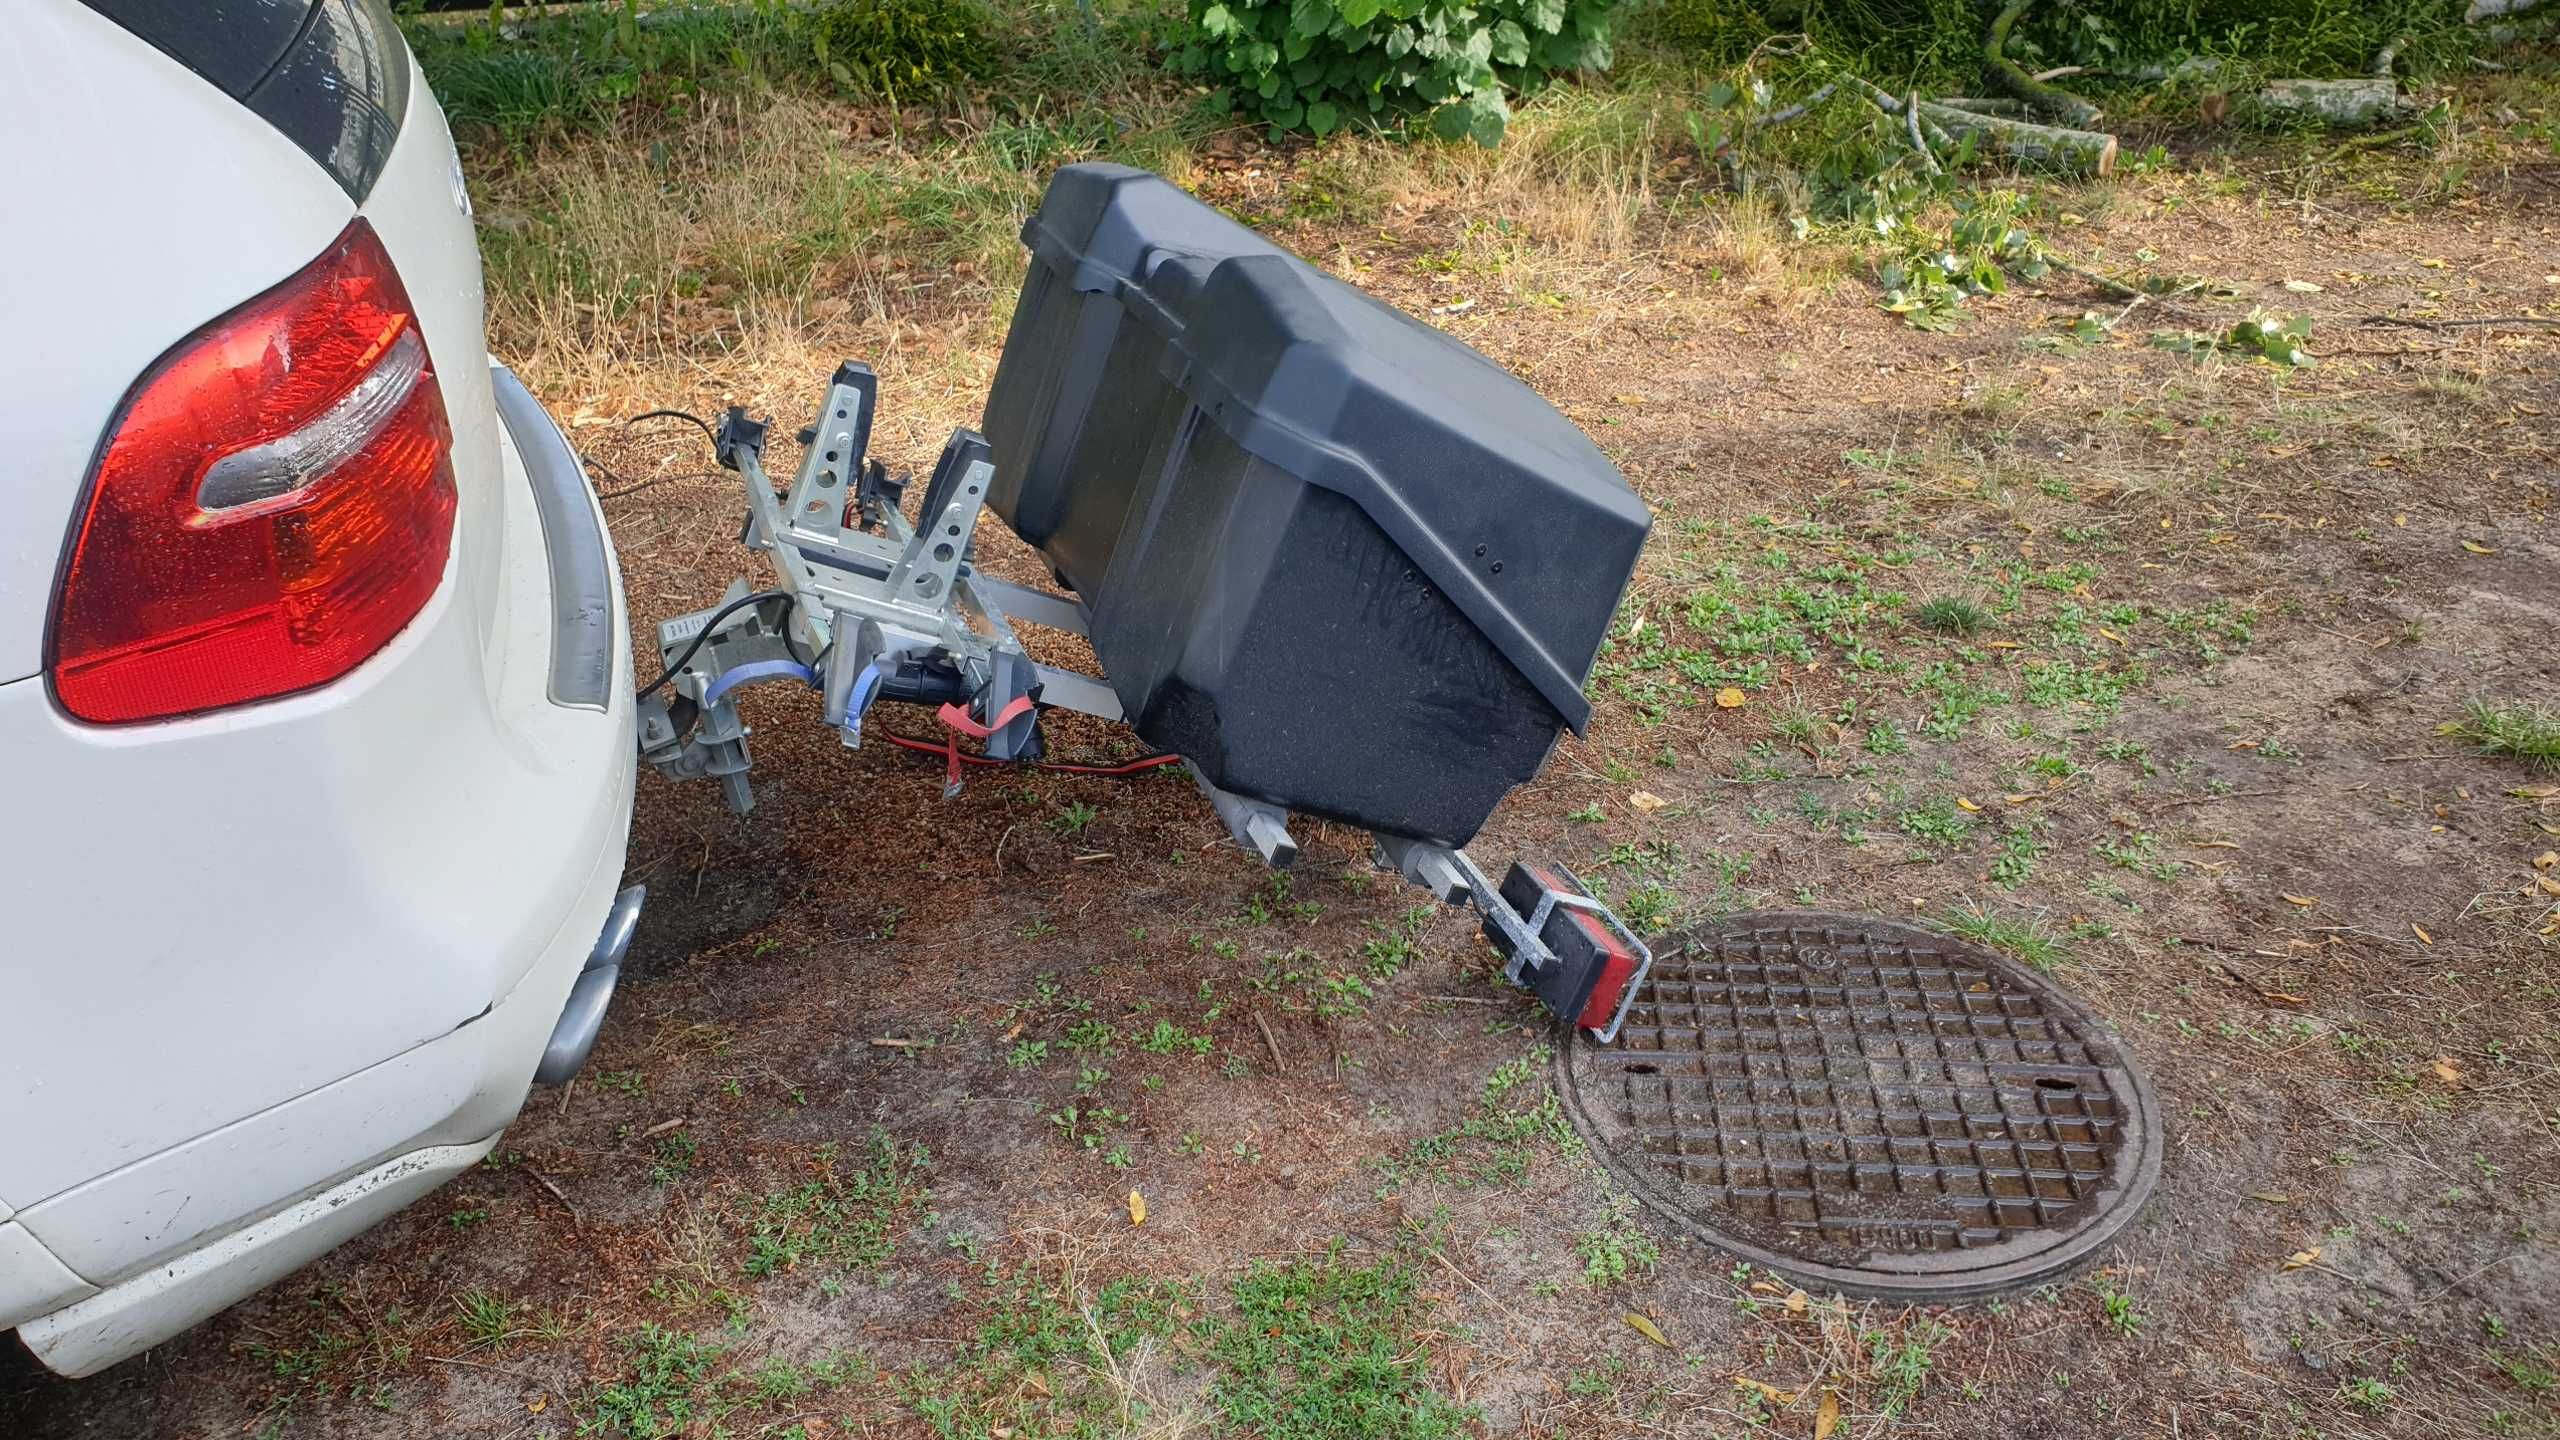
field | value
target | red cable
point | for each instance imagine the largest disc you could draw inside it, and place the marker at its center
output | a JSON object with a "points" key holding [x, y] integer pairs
{"points": [[948, 752]]}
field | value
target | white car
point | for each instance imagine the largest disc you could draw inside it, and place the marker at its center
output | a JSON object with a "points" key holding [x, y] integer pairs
{"points": [[315, 689]]}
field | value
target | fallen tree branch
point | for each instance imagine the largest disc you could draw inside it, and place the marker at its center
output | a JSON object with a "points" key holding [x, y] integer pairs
{"points": [[2522, 321], [557, 1194], [1798, 110], [2371, 140], [2089, 153], [1975, 105], [2062, 105], [1919, 142], [2107, 284], [2168, 301], [1891, 104], [2340, 103]]}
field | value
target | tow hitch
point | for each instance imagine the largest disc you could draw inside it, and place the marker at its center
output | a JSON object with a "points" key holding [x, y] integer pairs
{"points": [[1336, 561]]}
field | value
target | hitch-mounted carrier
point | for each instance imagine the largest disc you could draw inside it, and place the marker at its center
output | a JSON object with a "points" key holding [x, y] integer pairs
{"points": [[1338, 562]]}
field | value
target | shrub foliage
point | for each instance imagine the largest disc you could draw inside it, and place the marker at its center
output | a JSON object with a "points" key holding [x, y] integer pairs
{"points": [[1318, 65], [900, 49]]}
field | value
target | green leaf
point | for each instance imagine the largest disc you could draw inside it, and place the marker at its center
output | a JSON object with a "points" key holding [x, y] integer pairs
{"points": [[1487, 116], [1458, 62]]}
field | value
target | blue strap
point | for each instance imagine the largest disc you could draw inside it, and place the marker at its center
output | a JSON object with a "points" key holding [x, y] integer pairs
{"points": [[736, 676]]}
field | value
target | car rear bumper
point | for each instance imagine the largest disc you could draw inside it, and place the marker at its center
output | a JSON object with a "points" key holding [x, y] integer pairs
{"points": [[137, 1313], [152, 1246]]}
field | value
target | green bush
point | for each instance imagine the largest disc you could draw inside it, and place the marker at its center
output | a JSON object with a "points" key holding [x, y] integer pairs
{"points": [[1318, 65], [519, 76], [1938, 43], [902, 49]]}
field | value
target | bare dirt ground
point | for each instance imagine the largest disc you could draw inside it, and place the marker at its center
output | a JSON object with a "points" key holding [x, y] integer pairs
{"points": [[857, 1150]]}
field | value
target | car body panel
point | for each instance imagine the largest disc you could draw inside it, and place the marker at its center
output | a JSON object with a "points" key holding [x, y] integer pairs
{"points": [[33, 1280], [449, 1090], [87, 1336]]}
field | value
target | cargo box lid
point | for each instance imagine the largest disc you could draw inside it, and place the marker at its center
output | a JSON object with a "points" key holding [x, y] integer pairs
{"points": [[1494, 495]]}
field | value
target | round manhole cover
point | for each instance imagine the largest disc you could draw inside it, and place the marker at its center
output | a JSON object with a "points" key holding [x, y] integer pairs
{"points": [[1868, 1106]]}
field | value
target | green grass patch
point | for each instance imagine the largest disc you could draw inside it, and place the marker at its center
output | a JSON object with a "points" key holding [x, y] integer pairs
{"points": [[1072, 1340], [662, 1392], [677, 1383], [1939, 821], [2025, 937], [2530, 733], [1517, 1117], [1328, 1350], [845, 1218]]}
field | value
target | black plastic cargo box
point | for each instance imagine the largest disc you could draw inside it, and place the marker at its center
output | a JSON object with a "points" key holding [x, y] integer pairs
{"points": [[1336, 559]]}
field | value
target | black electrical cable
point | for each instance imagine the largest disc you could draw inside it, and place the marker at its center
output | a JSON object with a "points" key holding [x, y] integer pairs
{"points": [[698, 422], [685, 656]]}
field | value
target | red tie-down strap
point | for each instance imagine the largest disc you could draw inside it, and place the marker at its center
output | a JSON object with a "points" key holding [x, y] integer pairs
{"points": [[956, 717]]}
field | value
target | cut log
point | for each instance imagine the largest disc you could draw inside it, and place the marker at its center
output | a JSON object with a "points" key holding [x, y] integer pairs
{"points": [[2009, 109], [2051, 148], [2044, 99], [2339, 104], [2089, 154]]}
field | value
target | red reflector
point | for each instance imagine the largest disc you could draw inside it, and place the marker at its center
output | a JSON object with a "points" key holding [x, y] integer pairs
{"points": [[1617, 967], [274, 504]]}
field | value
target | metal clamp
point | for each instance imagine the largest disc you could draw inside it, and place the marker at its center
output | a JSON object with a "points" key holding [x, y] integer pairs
{"points": [[867, 590]]}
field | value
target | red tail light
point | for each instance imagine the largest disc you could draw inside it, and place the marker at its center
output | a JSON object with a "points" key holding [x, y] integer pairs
{"points": [[274, 504]]}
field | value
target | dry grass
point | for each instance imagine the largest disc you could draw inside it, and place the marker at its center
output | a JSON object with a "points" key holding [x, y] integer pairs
{"points": [[754, 234], [746, 250]]}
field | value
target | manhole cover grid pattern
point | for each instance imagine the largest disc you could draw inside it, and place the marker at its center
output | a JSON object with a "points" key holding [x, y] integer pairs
{"points": [[1882, 1090]]}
